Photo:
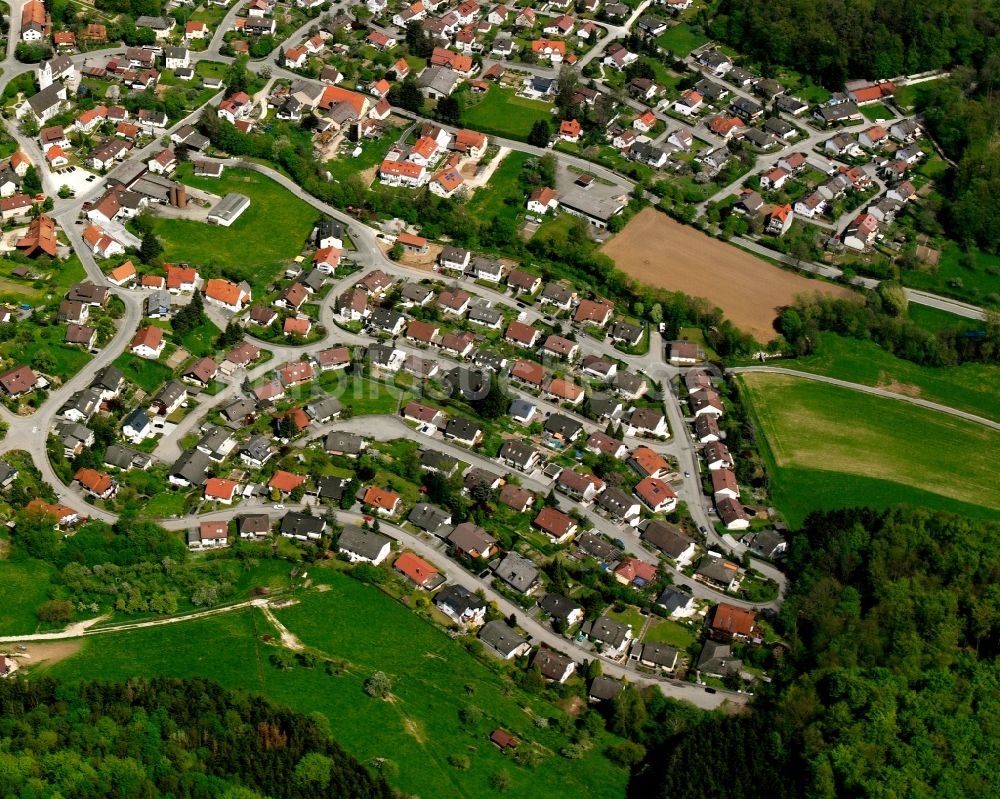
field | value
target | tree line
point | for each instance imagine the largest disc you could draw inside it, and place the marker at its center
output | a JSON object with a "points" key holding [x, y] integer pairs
{"points": [[167, 738]]}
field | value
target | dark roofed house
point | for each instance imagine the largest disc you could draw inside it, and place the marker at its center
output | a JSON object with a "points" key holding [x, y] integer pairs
{"points": [[429, 518], [364, 546], [503, 641], [605, 689], [462, 606], [565, 611], [554, 666], [302, 526], [518, 573]]}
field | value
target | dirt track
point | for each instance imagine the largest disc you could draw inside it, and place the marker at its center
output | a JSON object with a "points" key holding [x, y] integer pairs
{"points": [[661, 252]]}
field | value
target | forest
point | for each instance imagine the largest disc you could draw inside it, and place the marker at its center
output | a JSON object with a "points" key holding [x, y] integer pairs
{"points": [[837, 40], [170, 738], [889, 679]]}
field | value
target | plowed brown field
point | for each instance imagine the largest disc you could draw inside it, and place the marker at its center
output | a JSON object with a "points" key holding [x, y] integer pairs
{"points": [[658, 251]]}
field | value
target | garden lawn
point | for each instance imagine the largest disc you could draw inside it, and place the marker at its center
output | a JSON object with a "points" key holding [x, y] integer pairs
{"points": [[361, 628], [876, 111], [365, 397], [976, 281], [681, 39], [64, 360], [256, 246], [201, 340], [148, 375], [26, 583], [502, 113], [671, 633], [971, 387], [830, 447]]}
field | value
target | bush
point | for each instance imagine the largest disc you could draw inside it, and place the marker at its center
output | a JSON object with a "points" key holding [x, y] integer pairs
{"points": [[55, 611], [378, 685]]}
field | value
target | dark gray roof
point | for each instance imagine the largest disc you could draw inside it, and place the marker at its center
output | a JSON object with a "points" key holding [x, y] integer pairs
{"points": [[558, 606], [118, 456], [462, 428], [192, 466], [659, 654], [299, 524], [109, 378], [364, 543], [605, 688], [340, 441], [558, 424], [497, 635], [716, 658], [437, 461], [427, 517], [460, 599], [607, 631], [518, 572], [673, 598]]}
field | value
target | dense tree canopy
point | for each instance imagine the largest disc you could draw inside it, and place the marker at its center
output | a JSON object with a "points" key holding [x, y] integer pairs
{"points": [[890, 685], [834, 40], [166, 737]]}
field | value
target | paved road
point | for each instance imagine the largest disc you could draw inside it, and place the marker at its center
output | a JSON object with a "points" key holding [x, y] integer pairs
{"points": [[956, 307], [878, 392]]}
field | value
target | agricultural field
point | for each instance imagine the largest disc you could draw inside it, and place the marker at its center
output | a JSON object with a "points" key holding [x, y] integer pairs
{"points": [[971, 387], [419, 729], [748, 289], [502, 113], [270, 232], [830, 447]]}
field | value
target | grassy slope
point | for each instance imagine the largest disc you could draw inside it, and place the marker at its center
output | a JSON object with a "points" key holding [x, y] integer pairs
{"points": [[418, 730], [830, 447], [972, 387], [25, 584], [488, 202], [272, 230], [978, 283]]}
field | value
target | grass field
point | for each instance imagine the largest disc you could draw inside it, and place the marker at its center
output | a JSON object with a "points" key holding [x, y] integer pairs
{"points": [[148, 375], [254, 248], [25, 584], [681, 39], [972, 387], [876, 111], [488, 202], [671, 633], [54, 279], [201, 340], [502, 113], [433, 679], [975, 280], [936, 320], [831, 447]]}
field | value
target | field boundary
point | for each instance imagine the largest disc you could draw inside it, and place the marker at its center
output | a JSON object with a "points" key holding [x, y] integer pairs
{"points": [[873, 390]]}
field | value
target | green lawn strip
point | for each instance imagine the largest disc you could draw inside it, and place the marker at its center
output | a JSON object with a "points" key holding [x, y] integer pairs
{"points": [[255, 247], [373, 152], [367, 631], [935, 320], [26, 583], [502, 113], [830, 447], [971, 387], [148, 375]]}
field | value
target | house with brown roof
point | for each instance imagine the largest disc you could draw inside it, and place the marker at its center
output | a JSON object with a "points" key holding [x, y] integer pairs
{"points": [[729, 621], [591, 312], [555, 667], [148, 342], [579, 485], [516, 498], [559, 527]]}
